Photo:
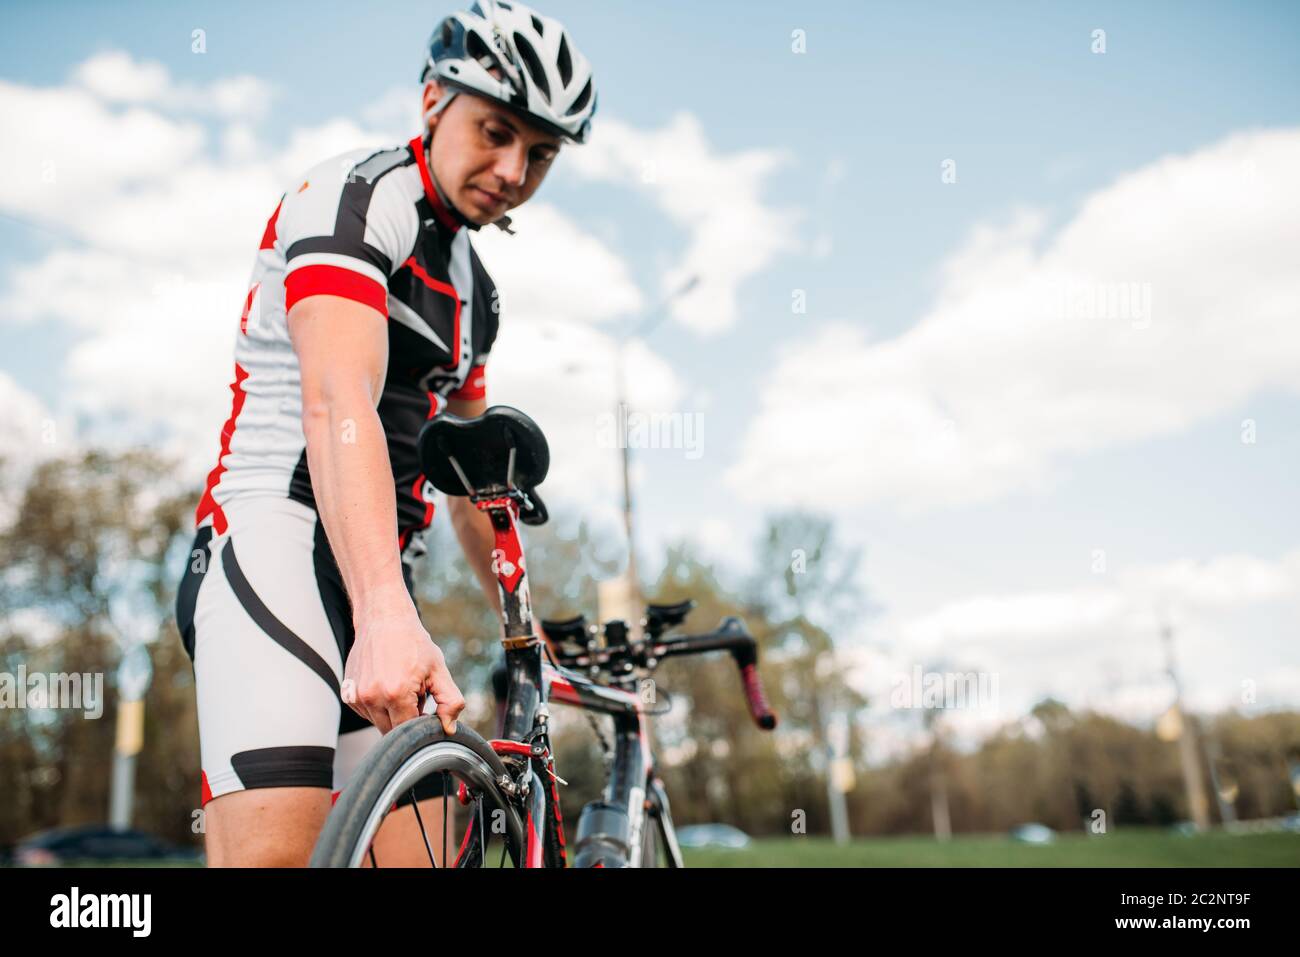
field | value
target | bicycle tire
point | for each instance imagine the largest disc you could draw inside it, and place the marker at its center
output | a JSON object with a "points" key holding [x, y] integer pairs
{"points": [[652, 841], [654, 838], [406, 755]]}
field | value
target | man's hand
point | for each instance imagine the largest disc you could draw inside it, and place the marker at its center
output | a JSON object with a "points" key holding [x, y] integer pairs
{"points": [[393, 665]]}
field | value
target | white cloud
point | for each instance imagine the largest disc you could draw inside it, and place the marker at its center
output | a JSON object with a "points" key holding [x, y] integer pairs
{"points": [[116, 77], [715, 197], [31, 433], [1222, 581], [27, 420], [550, 270], [562, 374], [48, 171], [154, 296], [1100, 646], [1031, 352], [395, 112]]}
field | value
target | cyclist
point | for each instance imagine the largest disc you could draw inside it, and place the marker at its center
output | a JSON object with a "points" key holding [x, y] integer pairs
{"points": [[368, 313]]}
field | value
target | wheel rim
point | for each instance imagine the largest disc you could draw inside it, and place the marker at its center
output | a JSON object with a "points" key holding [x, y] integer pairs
{"points": [[455, 764]]}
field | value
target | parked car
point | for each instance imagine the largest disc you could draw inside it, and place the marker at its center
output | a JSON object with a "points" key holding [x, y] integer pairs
{"points": [[1033, 834], [712, 835], [99, 843]]}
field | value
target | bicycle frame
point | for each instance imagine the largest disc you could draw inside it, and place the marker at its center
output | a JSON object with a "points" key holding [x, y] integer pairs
{"points": [[533, 683]]}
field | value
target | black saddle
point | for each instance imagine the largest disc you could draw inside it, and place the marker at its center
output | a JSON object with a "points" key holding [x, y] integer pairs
{"points": [[500, 451]]}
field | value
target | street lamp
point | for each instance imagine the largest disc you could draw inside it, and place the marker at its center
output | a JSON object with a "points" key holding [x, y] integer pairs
{"points": [[655, 317], [134, 674]]}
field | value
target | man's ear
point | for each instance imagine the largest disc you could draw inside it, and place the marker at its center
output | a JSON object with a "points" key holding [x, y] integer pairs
{"points": [[433, 93]]}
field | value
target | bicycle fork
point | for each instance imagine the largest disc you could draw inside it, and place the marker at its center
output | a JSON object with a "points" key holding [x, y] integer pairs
{"points": [[610, 830]]}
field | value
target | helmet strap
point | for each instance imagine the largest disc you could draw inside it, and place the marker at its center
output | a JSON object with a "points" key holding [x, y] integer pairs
{"points": [[437, 187], [442, 104], [503, 223]]}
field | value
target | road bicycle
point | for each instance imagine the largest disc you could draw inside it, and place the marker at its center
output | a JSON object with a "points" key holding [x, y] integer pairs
{"points": [[508, 786]]}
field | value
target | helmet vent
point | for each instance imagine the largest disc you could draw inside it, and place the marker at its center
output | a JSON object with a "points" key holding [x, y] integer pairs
{"points": [[582, 99], [476, 49], [537, 25], [564, 61], [534, 65]]}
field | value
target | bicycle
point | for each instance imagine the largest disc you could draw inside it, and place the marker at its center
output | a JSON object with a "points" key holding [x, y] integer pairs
{"points": [[509, 783]]}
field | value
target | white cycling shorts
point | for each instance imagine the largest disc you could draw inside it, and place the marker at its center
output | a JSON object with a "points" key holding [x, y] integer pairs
{"points": [[262, 611]]}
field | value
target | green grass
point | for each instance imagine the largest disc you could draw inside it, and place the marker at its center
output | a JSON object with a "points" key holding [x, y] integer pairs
{"points": [[1128, 848]]}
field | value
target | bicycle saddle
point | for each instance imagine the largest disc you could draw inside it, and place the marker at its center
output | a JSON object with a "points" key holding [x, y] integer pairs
{"points": [[502, 448]]}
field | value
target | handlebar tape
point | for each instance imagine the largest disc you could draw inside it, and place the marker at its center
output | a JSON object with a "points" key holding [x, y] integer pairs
{"points": [[758, 706]]}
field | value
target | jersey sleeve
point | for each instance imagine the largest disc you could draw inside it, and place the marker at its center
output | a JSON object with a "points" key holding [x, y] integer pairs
{"points": [[344, 228]]}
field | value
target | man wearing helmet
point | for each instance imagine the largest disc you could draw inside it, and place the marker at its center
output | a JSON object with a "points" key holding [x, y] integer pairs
{"points": [[368, 314]]}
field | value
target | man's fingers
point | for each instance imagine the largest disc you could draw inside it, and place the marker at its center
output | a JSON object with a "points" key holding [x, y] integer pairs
{"points": [[356, 705], [450, 701], [429, 705], [402, 710], [448, 720]]}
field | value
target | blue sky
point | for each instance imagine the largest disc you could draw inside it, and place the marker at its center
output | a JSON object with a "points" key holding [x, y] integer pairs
{"points": [[818, 172]]}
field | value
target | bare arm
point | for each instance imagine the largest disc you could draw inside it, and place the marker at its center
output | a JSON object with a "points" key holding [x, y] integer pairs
{"points": [[473, 528], [342, 349]]}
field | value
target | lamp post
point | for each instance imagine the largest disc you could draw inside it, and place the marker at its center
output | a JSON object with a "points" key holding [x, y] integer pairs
{"points": [[656, 316], [133, 677], [1196, 802]]}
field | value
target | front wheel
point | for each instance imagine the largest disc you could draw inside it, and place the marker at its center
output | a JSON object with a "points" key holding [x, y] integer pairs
{"points": [[651, 842], [658, 840], [413, 761]]}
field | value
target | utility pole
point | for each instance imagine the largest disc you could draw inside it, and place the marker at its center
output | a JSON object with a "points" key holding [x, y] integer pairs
{"points": [[633, 579], [620, 397], [1196, 801], [1225, 792], [839, 774], [942, 820], [134, 674]]}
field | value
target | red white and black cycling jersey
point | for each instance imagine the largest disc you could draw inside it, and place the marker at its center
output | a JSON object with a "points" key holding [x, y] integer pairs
{"points": [[370, 226], [261, 607]]}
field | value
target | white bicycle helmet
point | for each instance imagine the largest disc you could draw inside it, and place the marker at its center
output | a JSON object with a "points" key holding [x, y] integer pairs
{"points": [[543, 76]]}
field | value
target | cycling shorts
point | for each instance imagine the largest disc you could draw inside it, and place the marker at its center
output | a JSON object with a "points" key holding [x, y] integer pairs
{"points": [[264, 616]]}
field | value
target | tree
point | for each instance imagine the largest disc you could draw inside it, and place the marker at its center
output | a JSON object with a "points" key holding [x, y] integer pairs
{"points": [[85, 575]]}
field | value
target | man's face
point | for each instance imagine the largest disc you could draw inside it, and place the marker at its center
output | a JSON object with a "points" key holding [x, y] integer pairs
{"points": [[486, 159]]}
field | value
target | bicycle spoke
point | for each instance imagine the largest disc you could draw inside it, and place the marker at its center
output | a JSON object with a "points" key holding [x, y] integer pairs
{"points": [[423, 833], [373, 862], [444, 815]]}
